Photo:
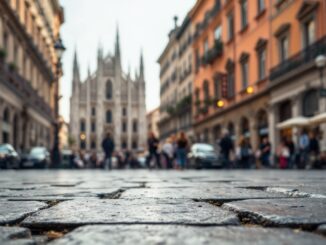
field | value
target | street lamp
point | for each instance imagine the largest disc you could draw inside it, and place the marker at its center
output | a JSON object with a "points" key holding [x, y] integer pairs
{"points": [[59, 49], [321, 63]]}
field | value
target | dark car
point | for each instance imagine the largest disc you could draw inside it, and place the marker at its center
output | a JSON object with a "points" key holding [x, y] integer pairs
{"points": [[39, 157], [203, 156], [9, 158]]}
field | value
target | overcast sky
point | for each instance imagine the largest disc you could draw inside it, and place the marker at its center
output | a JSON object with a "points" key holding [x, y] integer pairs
{"points": [[143, 24]]}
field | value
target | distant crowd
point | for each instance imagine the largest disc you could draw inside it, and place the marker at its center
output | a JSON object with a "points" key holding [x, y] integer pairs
{"points": [[173, 154]]}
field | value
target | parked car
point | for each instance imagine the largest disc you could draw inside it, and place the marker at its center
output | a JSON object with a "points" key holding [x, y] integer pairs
{"points": [[9, 158], [38, 157], [203, 156]]}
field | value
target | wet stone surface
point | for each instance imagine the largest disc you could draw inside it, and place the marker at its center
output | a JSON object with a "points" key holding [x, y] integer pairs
{"points": [[295, 212], [147, 211], [15, 235], [140, 234], [162, 207], [12, 212]]}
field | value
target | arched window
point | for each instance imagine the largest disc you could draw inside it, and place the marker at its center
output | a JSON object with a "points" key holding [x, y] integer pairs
{"points": [[245, 127], [109, 116], [108, 89], [231, 130], [310, 103], [6, 115], [135, 126], [82, 125]]}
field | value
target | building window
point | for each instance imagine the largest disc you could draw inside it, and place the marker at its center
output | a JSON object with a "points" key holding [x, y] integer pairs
{"points": [[206, 91], [135, 126], [244, 73], [108, 116], [245, 127], [217, 87], [309, 33], [83, 144], [218, 33], [124, 145], [261, 6], [230, 18], [124, 111], [244, 13], [283, 48], [124, 127], [82, 126], [206, 46], [109, 90], [93, 127], [230, 80], [93, 145], [197, 60], [93, 111], [310, 103], [261, 64], [134, 145]]}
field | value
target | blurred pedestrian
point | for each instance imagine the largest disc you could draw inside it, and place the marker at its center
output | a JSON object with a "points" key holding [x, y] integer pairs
{"points": [[153, 143], [108, 148], [304, 149], [182, 147], [93, 161], [292, 157], [168, 152], [265, 152], [244, 153], [314, 150], [226, 146], [283, 154]]}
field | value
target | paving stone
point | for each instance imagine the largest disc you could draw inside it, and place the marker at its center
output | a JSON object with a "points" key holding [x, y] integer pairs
{"points": [[222, 194], [322, 229], [315, 191], [58, 192], [15, 235], [11, 212], [294, 212], [169, 235], [149, 211]]}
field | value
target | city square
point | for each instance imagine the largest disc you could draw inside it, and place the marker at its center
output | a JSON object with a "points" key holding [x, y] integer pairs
{"points": [[162, 122]]}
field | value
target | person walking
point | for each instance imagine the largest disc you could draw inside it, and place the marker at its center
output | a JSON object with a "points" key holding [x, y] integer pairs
{"points": [[283, 154], [153, 144], [265, 152], [314, 151], [108, 148], [291, 146], [168, 152], [182, 146], [226, 146], [244, 153], [304, 149]]}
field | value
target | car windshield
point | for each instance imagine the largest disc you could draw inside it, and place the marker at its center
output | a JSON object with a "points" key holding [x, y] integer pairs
{"points": [[205, 148], [37, 152], [4, 149]]}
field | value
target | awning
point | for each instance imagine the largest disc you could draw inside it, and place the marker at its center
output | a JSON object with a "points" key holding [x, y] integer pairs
{"points": [[294, 122], [318, 119]]}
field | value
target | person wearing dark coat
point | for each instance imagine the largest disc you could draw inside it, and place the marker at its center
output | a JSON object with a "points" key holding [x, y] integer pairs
{"points": [[226, 146], [153, 144], [108, 148]]}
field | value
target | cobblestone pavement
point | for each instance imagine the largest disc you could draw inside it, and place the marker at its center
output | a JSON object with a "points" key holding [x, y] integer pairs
{"points": [[162, 207]]}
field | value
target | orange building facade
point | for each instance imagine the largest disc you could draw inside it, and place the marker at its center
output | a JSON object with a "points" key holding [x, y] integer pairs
{"points": [[239, 83]]}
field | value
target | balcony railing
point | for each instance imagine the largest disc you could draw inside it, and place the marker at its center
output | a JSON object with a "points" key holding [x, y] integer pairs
{"points": [[306, 56], [213, 53], [18, 85]]}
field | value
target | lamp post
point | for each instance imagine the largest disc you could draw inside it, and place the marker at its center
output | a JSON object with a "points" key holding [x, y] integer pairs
{"points": [[320, 62], [56, 158]]}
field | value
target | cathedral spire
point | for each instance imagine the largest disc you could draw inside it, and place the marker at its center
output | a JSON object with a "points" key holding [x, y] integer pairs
{"points": [[89, 70], [99, 51], [76, 74], [117, 45], [141, 67]]}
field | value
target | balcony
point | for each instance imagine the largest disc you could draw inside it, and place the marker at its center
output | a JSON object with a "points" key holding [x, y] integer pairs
{"points": [[300, 59], [213, 53], [23, 89]]}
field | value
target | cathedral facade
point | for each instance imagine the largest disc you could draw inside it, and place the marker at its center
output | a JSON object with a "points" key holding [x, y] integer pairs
{"points": [[108, 101]]}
